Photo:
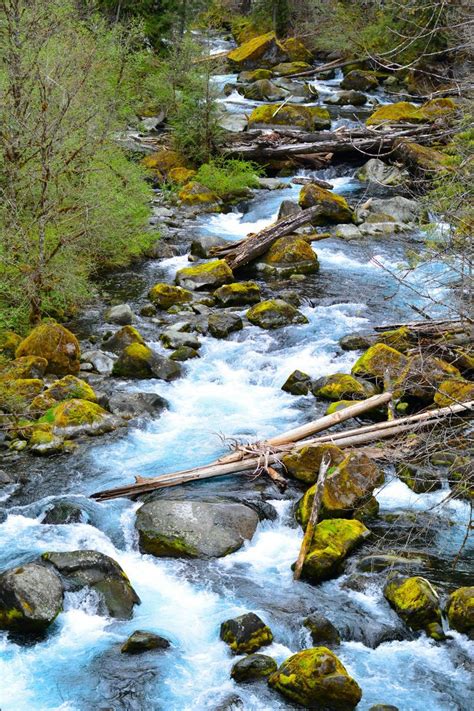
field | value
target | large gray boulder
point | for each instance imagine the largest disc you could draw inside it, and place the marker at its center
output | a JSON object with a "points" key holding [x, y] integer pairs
{"points": [[194, 529], [95, 570], [397, 209], [121, 314], [31, 597], [130, 405], [376, 171]]}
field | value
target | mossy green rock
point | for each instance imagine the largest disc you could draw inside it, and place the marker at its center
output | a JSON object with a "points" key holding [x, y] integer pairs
{"points": [[360, 80], [332, 542], [338, 406], [205, 276], [163, 296], [274, 313], [9, 342], [399, 338], [311, 118], [334, 208], [454, 391], [44, 441], [298, 383], [26, 367], [460, 610], [76, 413], [252, 667], [303, 464], [348, 486], [418, 478], [194, 193], [238, 294], [296, 50], [290, 255], [316, 678], [341, 386], [139, 361], [416, 602], [255, 75], [59, 346], [405, 112], [127, 336], [67, 388], [420, 159], [287, 68], [23, 389], [246, 633], [31, 597], [262, 51], [262, 90], [421, 376], [379, 360]]}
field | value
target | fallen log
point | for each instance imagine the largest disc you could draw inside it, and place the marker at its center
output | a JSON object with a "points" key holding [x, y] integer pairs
{"points": [[232, 465], [428, 326]]}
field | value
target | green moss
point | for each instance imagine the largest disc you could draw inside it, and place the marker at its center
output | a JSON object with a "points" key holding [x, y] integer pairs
{"points": [[274, 313], [290, 250], [454, 391], [253, 50], [421, 376], [333, 540], [296, 50], [379, 360], [72, 413], [338, 405], [194, 193], [421, 158], [405, 112], [460, 610], [416, 601], [287, 68], [238, 294], [334, 208], [400, 338], [163, 296], [181, 175], [163, 161], [310, 118], [24, 367], [303, 464], [215, 273], [133, 362], [339, 386], [167, 546], [55, 343], [255, 75], [9, 342], [25, 389]]}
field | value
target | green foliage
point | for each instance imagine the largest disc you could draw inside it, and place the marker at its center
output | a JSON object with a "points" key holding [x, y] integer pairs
{"points": [[228, 177]]}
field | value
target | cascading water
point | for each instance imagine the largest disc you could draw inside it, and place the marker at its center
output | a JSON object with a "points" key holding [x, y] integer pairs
{"points": [[233, 389]]}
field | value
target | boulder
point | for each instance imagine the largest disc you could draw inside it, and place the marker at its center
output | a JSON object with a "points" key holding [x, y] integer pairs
{"points": [[194, 529], [376, 171], [31, 597], [316, 678], [9, 342], [59, 346], [246, 633], [401, 339], [222, 324], [129, 405], [140, 641], [100, 361], [453, 391], [14, 394], [173, 338], [379, 360], [421, 376], [460, 610], [263, 90], [161, 162], [127, 336], [205, 276], [322, 630], [285, 69], [121, 314], [24, 368], [342, 387], [194, 193], [349, 232], [303, 464], [348, 487], [252, 667], [78, 417], [258, 52], [311, 118], [289, 255], [419, 479], [254, 75], [62, 513], [416, 602], [139, 361], [238, 294], [360, 80], [287, 208], [184, 353], [348, 98], [355, 342], [397, 209], [405, 112], [421, 159], [274, 313], [298, 383], [67, 388], [332, 542], [296, 50], [201, 247], [86, 568], [334, 208], [163, 296]]}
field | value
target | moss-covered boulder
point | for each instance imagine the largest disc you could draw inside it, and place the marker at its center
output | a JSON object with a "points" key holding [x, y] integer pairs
{"points": [[303, 464], [59, 346], [416, 601], [347, 488], [332, 542], [205, 276], [181, 175], [337, 406], [296, 50], [287, 68], [311, 118], [360, 80], [163, 296], [66, 388], [9, 342], [419, 479], [139, 361], [262, 90], [31, 597], [420, 159], [22, 390], [298, 383], [45, 441], [194, 529], [421, 376], [194, 193], [379, 360], [460, 610], [257, 52], [341, 386], [322, 630], [289, 255], [252, 667], [453, 391], [26, 367], [238, 294], [222, 324], [80, 416], [255, 75], [405, 112], [246, 633], [334, 208], [127, 336], [183, 353], [380, 173], [316, 678], [402, 339], [162, 162], [274, 313]]}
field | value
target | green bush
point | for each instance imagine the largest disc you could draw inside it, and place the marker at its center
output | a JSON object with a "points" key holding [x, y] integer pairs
{"points": [[227, 178]]}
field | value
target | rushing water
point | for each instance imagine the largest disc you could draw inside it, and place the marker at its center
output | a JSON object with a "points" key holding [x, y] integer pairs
{"points": [[233, 389]]}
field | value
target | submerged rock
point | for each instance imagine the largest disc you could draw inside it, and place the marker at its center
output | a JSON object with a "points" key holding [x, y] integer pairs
{"points": [[460, 610], [31, 597], [254, 666], [63, 513], [304, 463], [59, 346], [274, 313], [298, 383], [205, 276], [92, 569], [333, 208], [163, 296], [416, 602], [360, 80], [194, 529], [139, 361], [246, 633], [238, 294], [322, 630], [140, 641], [316, 678], [121, 314]]}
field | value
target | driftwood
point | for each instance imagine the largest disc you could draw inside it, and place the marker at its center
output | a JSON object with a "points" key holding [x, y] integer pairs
{"points": [[251, 458], [428, 327], [314, 515]]}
